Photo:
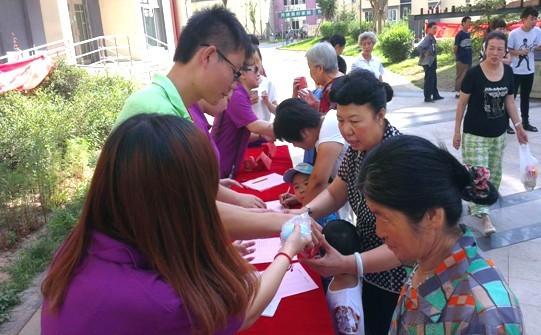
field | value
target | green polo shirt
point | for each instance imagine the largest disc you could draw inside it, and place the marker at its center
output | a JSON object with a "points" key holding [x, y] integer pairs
{"points": [[160, 97]]}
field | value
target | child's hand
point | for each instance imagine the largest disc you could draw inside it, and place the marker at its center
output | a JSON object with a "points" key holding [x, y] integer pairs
{"points": [[287, 200]]}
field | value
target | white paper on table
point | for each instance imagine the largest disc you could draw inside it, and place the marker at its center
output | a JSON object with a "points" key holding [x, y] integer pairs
{"points": [[265, 250], [274, 205], [295, 282], [271, 308], [264, 182]]}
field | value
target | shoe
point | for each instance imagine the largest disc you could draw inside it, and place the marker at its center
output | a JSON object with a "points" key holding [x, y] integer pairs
{"points": [[487, 225], [457, 95], [529, 127], [429, 100], [510, 130], [438, 98]]}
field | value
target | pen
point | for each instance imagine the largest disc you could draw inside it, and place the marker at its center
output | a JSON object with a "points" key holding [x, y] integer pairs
{"points": [[289, 188], [260, 180]]}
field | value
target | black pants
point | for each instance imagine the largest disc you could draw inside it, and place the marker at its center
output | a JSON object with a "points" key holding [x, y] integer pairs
{"points": [[430, 87], [524, 82], [378, 308]]}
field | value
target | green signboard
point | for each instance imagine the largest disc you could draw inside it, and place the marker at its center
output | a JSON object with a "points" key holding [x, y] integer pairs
{"points": [[299, 13]]}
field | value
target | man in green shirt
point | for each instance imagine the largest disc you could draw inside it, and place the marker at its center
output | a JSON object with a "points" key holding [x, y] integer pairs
{"points": [[207, 64]]}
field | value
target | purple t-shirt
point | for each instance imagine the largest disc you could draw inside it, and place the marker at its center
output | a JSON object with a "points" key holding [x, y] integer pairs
{"points": [[199, 119], [230, 132], [116, 292]]}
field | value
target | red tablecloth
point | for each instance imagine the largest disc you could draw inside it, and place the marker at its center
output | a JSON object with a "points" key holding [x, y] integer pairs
{"points": [[281, 162], [304, 313]]}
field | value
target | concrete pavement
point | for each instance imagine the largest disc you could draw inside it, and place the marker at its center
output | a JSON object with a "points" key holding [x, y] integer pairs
{"points": [[515, 248]]}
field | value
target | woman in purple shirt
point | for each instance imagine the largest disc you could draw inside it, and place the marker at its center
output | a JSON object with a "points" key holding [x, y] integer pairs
{"points": [[150, 254]]}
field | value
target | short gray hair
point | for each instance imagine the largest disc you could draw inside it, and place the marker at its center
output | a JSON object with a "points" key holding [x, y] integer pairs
{"points": [[368, 35], [323, 54]]}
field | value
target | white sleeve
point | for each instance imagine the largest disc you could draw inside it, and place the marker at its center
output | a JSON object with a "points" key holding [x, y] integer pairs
{"points": [[271, 90], [329, 131]]}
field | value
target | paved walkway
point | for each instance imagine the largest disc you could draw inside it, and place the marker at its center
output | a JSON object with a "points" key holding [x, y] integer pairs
{"points": [[515, 248]]}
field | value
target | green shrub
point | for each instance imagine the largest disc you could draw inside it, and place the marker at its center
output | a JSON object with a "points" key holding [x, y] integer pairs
{"points": [[445, 46], [396, 42], [326, 29], [340, 27], [356, 28]]}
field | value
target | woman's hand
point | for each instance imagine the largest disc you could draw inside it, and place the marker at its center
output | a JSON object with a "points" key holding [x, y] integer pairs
{"points": [[228, 182], [521, 135], [332, 263], [456, 141], [308, 97], [245, 249], [250, 201], [295, 243]]}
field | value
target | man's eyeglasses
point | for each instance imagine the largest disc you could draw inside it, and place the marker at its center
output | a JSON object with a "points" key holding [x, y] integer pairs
{"points": [[254, 68], [236, 72]]}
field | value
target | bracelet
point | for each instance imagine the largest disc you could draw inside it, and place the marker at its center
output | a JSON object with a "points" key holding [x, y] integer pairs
{"points": [[359, 261], [518, 123], [309, 210], [290, 268]]}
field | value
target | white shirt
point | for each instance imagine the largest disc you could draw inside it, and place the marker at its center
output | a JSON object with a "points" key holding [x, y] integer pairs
{"points": [[329, 132], [346, 307], [373, 65], [519, 40], [260, 109]]}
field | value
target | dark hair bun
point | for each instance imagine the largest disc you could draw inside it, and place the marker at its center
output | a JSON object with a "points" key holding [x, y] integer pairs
{"points": [[389, 92]]}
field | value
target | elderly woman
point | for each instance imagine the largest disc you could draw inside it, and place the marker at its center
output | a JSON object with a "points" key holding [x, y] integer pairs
{"points": [[453, 288], [323, 70], [150, 254], [366, 60], [361, 100]]}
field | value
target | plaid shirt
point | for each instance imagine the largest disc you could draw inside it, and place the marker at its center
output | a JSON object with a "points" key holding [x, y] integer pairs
{"points": [[466, 295]]}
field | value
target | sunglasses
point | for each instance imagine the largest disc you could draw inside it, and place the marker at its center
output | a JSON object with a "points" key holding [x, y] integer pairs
{"points": [[236, 72]]}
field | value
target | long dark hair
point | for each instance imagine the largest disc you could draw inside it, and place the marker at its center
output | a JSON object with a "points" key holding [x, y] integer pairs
{"points": [[154, 188]]}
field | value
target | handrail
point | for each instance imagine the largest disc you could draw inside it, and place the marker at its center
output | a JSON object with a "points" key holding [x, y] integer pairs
{"points": [[99, 52]]}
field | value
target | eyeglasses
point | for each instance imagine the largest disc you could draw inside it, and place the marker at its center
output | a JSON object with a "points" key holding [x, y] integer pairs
{"points": [[254, 68], [236, 72]]}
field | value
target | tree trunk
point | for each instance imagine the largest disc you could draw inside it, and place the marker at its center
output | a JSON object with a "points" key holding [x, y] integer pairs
{"points": [[379, 12]]}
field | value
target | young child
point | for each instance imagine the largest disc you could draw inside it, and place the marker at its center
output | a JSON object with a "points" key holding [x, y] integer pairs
{"points": [[344, 294], [298, 176]]}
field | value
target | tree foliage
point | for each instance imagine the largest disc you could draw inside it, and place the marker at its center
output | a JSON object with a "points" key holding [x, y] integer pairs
{"points": [[329, 8]]}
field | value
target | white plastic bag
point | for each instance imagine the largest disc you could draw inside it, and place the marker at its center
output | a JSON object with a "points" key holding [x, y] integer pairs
{"points": [[528, 167]]}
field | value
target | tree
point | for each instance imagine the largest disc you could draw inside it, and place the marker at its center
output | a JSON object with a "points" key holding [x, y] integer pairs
{"points": [[328, 7], [251, 13], [379, 11]]}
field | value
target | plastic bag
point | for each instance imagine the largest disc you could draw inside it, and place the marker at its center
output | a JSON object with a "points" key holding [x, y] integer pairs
{"points": [[529, 169], [305, 223]]}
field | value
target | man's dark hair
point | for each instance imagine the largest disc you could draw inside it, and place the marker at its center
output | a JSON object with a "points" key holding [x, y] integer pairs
{"points": [[529, 10], [431, 24], [292, 116], [464, 19], [213, 26], [337, 39]]}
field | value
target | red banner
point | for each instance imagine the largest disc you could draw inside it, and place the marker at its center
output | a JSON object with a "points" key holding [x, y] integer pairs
{"points": [[449, 30], [26, 74]]}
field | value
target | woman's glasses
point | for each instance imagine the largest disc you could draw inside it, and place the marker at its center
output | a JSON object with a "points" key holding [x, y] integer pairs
{"points": [[253, 68]]}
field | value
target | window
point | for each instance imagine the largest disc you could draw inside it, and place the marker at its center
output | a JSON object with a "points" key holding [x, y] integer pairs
{"points": [[406, 11], [432, 5], [368, 15], [392, 14]]}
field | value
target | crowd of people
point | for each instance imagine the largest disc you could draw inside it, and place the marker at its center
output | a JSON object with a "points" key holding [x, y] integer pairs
{"points": [[155, 237]]}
